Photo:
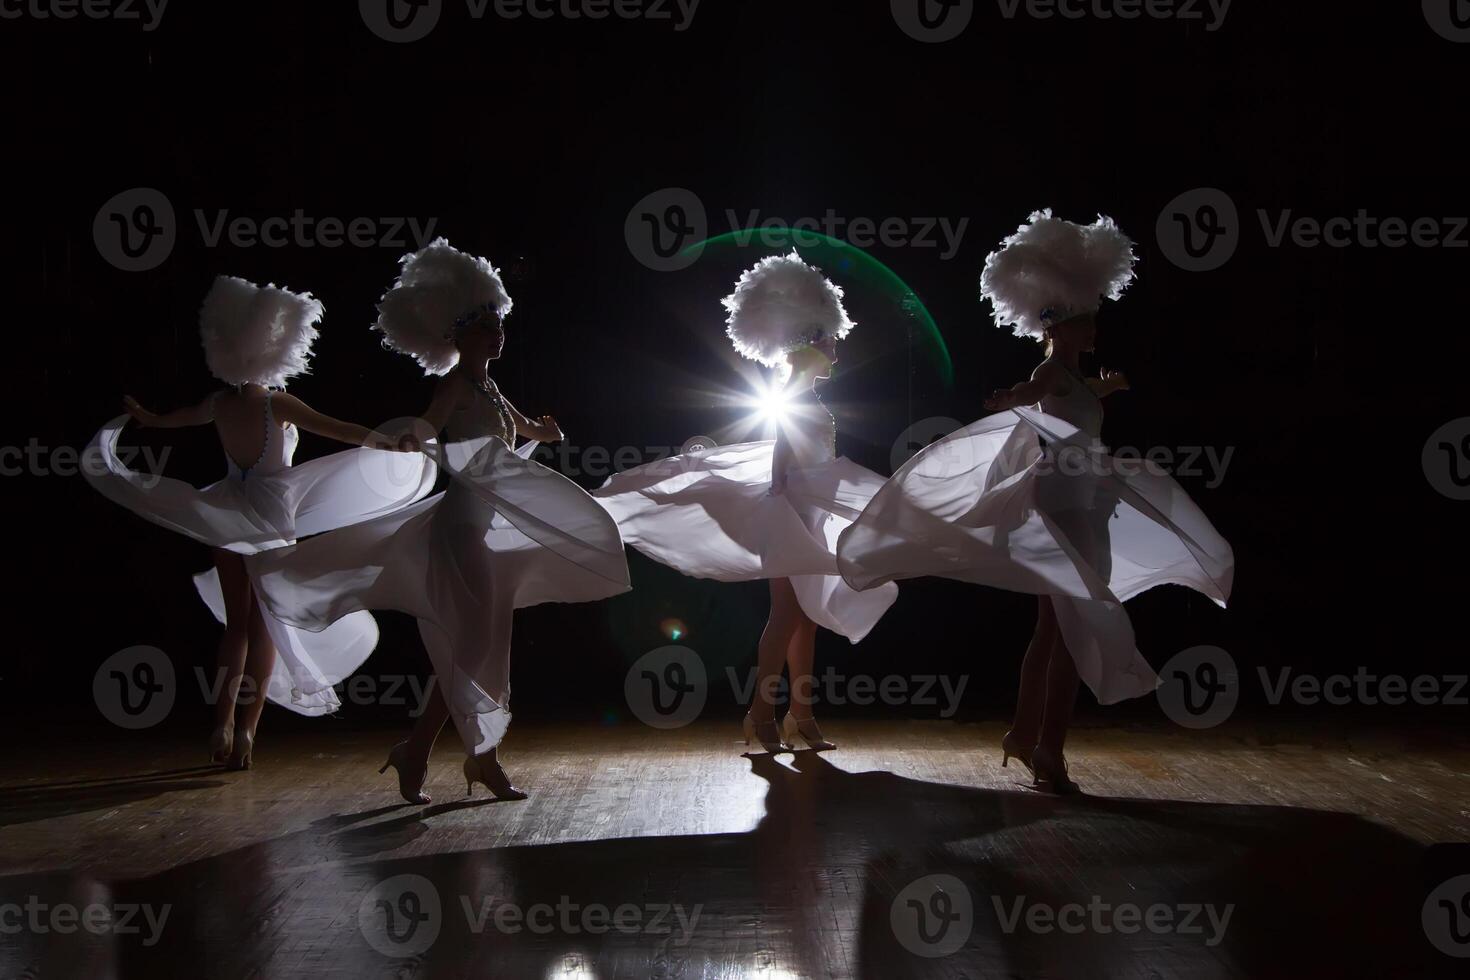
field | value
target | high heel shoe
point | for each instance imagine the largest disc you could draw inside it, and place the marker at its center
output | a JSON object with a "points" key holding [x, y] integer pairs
{"points": [[792, 726], [412, 792], [765, 732], [486, 769], [1010, 746], [1051, 773], [239, 759], [221, 743]]}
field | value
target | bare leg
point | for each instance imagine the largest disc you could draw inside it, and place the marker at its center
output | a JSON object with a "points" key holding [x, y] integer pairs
{"points": [[1061, 697], [258, 666], [801, 655], [1031, 698], [427, 726], [233, 645], [776, 640]]}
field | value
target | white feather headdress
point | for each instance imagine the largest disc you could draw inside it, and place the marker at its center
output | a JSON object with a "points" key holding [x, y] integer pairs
{"points": [[781, 304], [257, 334], [1051, 270], [437, 288]]}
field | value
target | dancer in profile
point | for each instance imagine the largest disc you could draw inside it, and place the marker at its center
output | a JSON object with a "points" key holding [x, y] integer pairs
{"points": [[1028, 500], [769, 510], [255, 339], [506, 533]]}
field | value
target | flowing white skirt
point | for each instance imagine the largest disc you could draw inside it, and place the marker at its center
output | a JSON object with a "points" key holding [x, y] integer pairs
{"points": [[266, 510], [987, 504], [710, 514], [507, 533]]}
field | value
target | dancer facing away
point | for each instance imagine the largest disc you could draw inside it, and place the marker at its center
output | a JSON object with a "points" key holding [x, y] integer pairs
{"points": [[769, 510], [506, 533], [1028, 500], [255, 339]]}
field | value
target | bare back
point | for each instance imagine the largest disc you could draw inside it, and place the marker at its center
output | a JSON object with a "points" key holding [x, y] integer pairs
{"points": [[242, 418]]}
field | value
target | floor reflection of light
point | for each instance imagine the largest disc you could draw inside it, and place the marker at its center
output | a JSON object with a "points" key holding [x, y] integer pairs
{"points": [[573, 966], [766, 968]]}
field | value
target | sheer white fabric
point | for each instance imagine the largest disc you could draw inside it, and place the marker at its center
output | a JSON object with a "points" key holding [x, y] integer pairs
{"points": [[507, 533], [269, 505], [710, 514], [988, 504]]}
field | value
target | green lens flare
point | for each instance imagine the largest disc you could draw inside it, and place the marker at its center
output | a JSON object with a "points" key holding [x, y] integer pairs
{"points": [[835, 255]]}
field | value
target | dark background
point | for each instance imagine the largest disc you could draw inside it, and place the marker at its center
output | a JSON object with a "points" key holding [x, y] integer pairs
{"points": [[1325, 369]]}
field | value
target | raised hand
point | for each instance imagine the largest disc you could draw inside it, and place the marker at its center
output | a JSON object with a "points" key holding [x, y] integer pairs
{"points": [[140, 414]]}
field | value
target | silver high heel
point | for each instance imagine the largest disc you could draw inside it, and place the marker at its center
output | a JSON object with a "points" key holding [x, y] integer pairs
{"points": [[1051, 773], [1011, 746], [496, 781], [764, 732], [221, 743], [239, 759], [792, 726], [413, 793]]}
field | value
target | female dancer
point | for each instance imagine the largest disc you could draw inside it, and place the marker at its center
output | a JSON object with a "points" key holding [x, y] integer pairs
{"points": [[506, 533], [255, 339], [1028, 500], [768, 510]]}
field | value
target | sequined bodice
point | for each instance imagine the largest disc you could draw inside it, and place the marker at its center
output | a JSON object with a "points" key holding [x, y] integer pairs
{"points": [[486, 414], [1079, 405], [810, 429]]}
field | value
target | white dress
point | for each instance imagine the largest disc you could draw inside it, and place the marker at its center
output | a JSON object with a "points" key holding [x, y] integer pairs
{"points": [[711, 514], [991, 504], [268, 505], [507, 533]]}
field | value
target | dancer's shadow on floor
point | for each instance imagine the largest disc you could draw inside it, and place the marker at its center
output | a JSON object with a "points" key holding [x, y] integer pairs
{"points": [[847, 874], [42, 801]]}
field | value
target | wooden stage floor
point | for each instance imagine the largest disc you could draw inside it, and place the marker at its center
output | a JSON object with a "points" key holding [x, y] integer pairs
{"points": [[907, 852]]}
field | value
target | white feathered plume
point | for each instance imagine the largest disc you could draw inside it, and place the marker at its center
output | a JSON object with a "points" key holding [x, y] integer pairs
{"points": [[257, 334], [781, 304], [437, 286], [1055, 267]]}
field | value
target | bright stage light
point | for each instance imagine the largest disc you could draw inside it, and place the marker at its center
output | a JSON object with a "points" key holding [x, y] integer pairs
{"points": [[771, 403]]}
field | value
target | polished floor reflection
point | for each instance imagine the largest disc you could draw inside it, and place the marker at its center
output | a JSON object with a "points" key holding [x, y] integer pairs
{"points": [[908, 852]]}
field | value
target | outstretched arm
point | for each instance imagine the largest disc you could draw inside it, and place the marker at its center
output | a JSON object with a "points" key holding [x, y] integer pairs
{"points": [[201, 414], [289, 408], [543, 429], [1110, 382], [1043, 382]]}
